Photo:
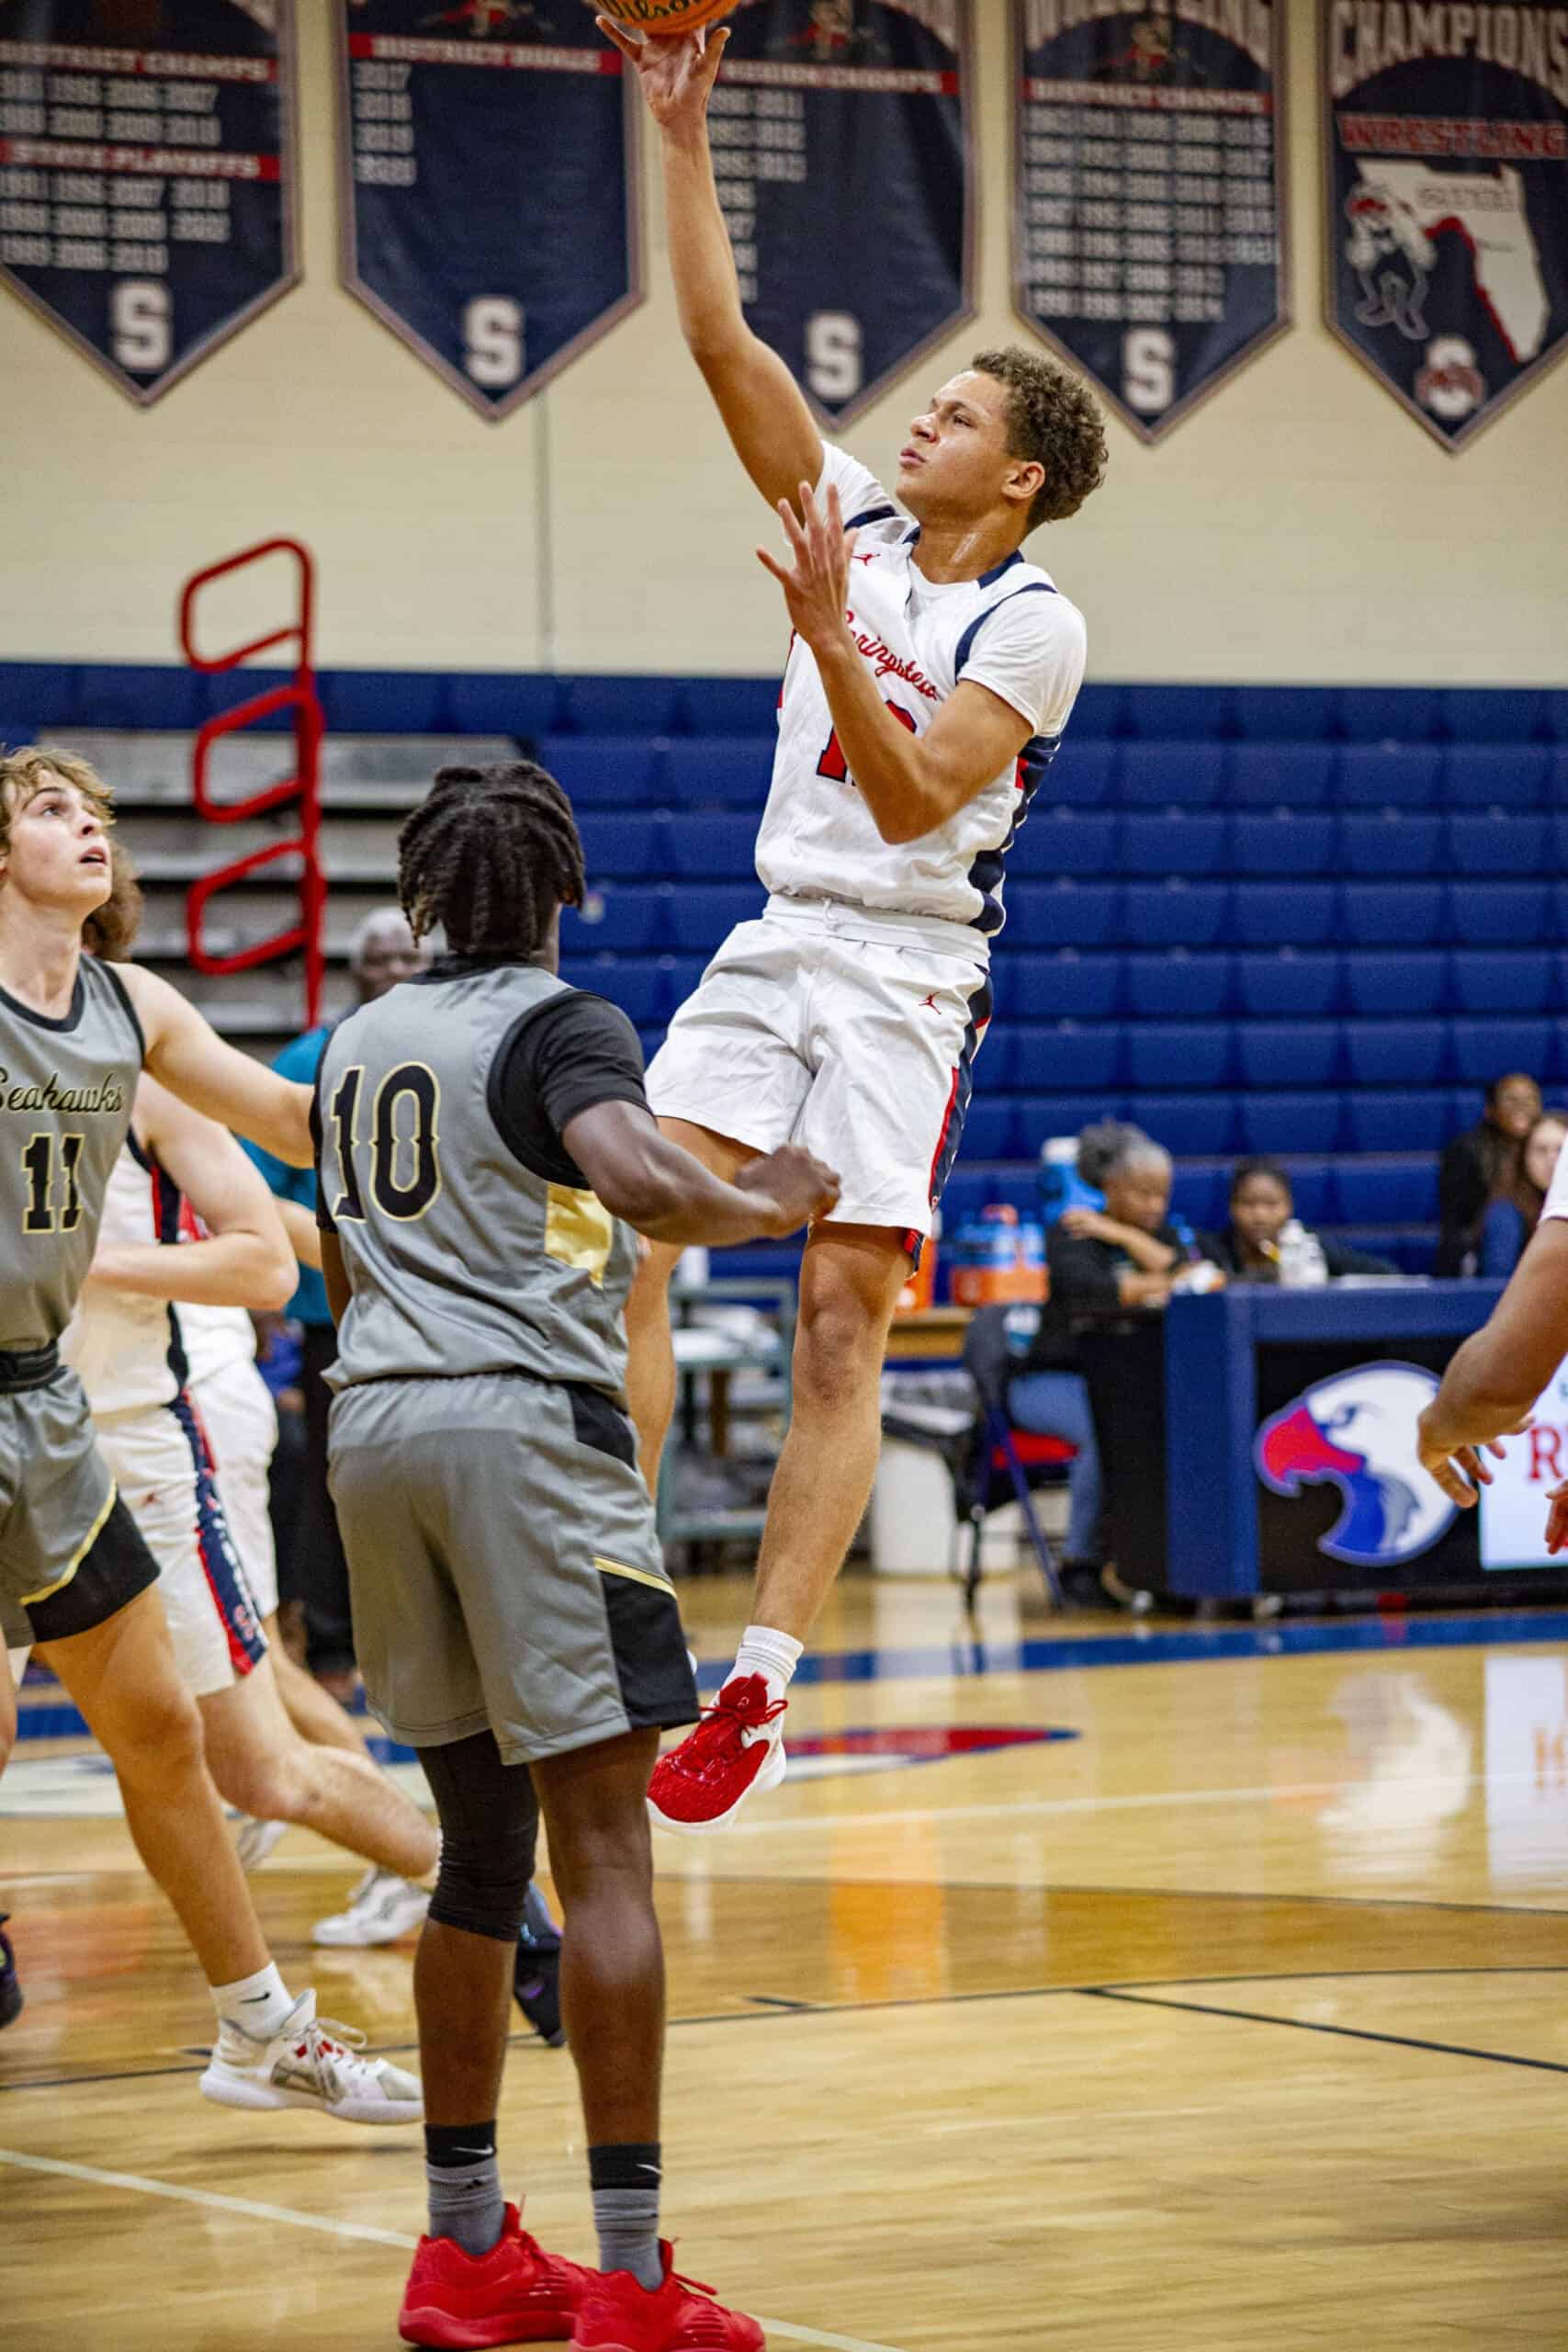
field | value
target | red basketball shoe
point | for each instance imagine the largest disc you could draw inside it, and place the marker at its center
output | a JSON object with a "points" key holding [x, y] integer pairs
{"points": [[736, 1751], [617, 2316], [515, 2294]]}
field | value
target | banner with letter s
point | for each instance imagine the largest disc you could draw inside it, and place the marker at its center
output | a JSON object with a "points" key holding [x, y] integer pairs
{"points": [[1446, 200], [146, 174], [1149, 221]]}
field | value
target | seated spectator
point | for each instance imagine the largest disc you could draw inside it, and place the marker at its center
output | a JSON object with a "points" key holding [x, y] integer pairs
{"points": [[1129, 1255], [1480, 1166], [1265, 1241], [1510, 1222]]}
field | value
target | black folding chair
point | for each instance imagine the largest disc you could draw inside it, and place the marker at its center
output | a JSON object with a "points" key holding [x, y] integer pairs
{"points": [[1001, 1463]]}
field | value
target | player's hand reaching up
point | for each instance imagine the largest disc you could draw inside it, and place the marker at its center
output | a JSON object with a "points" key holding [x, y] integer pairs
{"points": [[817, 588], [676, 75], [799, 1187]]}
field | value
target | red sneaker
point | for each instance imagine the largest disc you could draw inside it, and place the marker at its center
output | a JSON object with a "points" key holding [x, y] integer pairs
{"points": [[515, 2294], [735, 1752], [617, 2316]]}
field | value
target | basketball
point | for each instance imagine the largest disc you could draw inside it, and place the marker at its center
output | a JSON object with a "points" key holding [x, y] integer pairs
{"points": [[665, 19]]}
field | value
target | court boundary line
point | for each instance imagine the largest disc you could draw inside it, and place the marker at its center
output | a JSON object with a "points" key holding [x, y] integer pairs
{"points": [[1132, 2000], [251, 2208]]}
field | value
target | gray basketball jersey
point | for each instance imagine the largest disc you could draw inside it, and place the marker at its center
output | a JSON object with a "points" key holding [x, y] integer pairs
{"points": [[462, 1260], [66, 1090]]}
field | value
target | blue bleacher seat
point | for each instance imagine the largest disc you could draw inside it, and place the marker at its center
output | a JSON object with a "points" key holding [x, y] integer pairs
{"points": [[1170, 714], [1176, 986], [1508, 844], [1483, 1051], [1396, 1052], [1409, 1249], [1191, 1126], [1196, 1054], [1202, 1196], [1173, 845], [1490, 714], [1082, 775], [602, 771], [1290, 1053], [1162, 775], [621, 918], [1388, 714], [1300, 987], [1393, 914], [1280, 776], [1394, 845], [1283, 844], [1069, 842], [1293, 715], [651, 1038], [1077, 1060], [1101, 711], [681, 976], [995, 1066], [1062, 915], [1386, 776], [1384, 1119], [1309, 1188], [703, 914], [489, 703], [1063, 987], [712, 849], [988, 1129], [1039, 1116], [1503, 980], [1291, 1123], [1511, 914], [729, 705], [1175, 914], [1387, 1192], [623, 848], [633, 706], [1554, 711], [1285, 914], [715, 771], [636, 983], [1492, 776], [1379, 982]]}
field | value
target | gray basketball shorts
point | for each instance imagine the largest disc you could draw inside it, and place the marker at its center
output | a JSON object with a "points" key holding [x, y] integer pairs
{"points": [[503, 1566], [70, 1557]]}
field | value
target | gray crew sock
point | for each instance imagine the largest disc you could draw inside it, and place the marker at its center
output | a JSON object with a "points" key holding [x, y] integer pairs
{"points": [[627, 2223], [466, 2203]]}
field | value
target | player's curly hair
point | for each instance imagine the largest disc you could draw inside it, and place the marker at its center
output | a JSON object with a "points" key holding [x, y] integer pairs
{"points": [[487, 856], [1053, 419]]}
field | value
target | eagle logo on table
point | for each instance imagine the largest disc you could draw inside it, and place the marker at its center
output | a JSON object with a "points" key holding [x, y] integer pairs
{"points": [[1357, 1431]]}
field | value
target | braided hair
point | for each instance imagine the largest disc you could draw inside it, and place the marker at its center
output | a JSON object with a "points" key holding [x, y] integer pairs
{"points": [[489, 855]]}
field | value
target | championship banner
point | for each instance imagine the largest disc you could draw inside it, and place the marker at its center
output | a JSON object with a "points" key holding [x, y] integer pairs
{"points": [[840, 142], [1149, 228], [488, 215], [1445, 188], [146, 174]]}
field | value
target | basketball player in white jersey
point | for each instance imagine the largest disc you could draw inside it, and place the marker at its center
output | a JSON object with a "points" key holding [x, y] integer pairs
{"points": [[930, 676]]}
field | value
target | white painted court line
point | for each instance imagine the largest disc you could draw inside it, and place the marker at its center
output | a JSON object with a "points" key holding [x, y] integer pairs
{"points": [[253, 2210]]}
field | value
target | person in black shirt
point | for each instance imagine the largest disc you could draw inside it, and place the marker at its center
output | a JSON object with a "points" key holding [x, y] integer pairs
{"points": [[1126, 1255], [1264, 1235], [1482, 1165]]}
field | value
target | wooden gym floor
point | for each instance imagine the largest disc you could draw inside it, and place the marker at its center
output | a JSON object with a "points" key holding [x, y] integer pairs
{"points": [[1232, 2020]]}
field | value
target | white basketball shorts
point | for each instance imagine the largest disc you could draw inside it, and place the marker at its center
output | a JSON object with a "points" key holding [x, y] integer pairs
{"points": [[241, 1420], [852, 1034]]}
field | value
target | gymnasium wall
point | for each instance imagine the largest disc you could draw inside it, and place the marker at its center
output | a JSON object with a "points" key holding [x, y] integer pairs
{"points": [[1300, 527]]}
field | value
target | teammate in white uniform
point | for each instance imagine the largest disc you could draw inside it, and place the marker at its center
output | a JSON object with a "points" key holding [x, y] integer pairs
{"points": [[930, 677]]}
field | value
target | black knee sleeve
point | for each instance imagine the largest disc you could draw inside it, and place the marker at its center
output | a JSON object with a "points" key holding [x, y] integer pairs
{"points": [[489, 1829]]}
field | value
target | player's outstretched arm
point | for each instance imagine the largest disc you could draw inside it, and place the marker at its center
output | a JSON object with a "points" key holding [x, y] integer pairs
{"points": [[1490, 1385], [191, 1059], [643, 1177], [764, 410], [244, 1259]]}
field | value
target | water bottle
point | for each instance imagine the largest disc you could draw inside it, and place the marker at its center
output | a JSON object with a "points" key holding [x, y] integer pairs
{"points": [[1303, 1265]]}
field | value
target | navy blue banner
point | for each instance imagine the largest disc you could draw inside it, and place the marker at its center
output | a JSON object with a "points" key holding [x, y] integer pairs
{"points": [[1445, 188], [146, 174], [1148, 243], [839, 131], [488, 218]]}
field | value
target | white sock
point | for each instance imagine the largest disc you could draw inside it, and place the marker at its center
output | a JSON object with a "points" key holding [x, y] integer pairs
{"points": [[773, 1655], [258, 2003]]}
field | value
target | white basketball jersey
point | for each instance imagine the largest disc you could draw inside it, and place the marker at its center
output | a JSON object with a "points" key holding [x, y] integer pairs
{"points": [[215, 1337], [128, 1350], [1010, 630]]}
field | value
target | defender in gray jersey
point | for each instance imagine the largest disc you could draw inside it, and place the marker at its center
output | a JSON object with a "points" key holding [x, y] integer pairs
{"points": [[484, 1151], [75, 1573]]}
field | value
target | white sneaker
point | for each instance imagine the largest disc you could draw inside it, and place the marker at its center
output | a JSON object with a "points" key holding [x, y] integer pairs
{"points": [[382, 1907], [254, 1840], [309, 2062]]}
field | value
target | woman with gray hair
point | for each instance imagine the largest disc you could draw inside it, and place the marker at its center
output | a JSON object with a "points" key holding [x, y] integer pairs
{"points": [[1126, 1254]]}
